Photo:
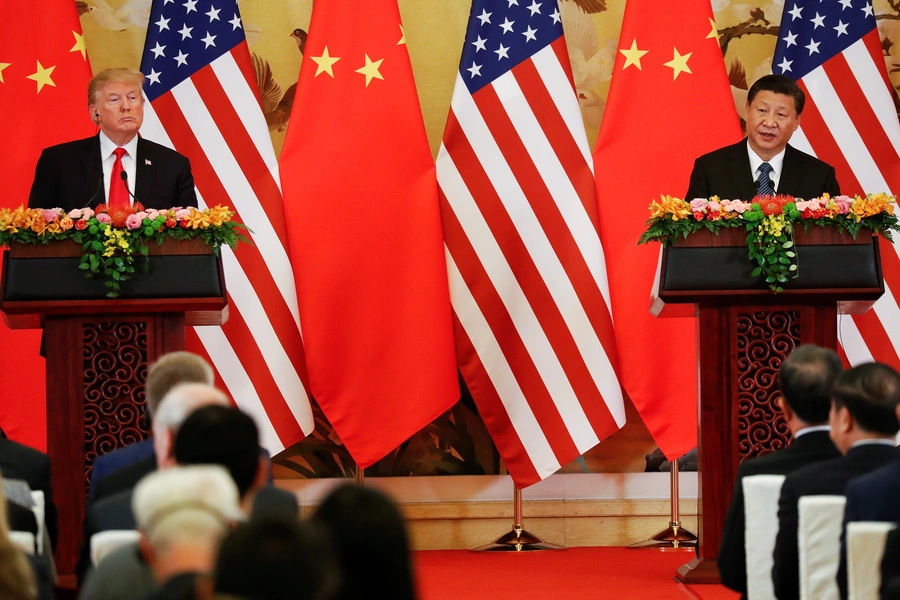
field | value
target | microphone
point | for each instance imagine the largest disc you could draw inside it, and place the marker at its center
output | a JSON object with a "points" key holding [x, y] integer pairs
{"points": [[125, 181]]}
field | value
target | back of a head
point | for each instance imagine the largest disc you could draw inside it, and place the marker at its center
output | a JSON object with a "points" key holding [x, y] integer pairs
{"points": [[369, 536], [220, 435], [185, 505], [870, 392], [181, 401], [806, 378], [276, 560], [172, 369]]}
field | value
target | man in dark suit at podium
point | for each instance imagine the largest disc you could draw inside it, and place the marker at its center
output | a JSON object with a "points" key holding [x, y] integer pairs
{"points": [[804, 379], [763, 163], [88, 172], [864, 424]]}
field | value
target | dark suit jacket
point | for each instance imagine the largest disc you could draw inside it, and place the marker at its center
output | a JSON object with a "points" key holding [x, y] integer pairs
{"points": [[805, 450], [105, 464], [825, 478], [873, 497], [70, 176], [726, 173], [890, 567], [20, 518], [123, 479], [21, 462]]}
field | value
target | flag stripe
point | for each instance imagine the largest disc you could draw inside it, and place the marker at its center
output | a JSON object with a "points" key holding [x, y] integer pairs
{"points": [[571, 342], [889, 315], [870, 76], [241, 147], [509, 314], [555, 81], [877, 340], [819, 137], [500, 385], [872, 42], [850, 341], [496, 414], [863, 118]]}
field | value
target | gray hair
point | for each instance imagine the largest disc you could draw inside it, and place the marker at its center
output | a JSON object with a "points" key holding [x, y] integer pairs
{"points": [[181, 401]]}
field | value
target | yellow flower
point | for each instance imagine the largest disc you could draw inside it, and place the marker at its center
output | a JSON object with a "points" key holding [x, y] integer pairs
{"points": [[670, 206], [38, 224], [54, 228], [66, 223], [197, 219]]}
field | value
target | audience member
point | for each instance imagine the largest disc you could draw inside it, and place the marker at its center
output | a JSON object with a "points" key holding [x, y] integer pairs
{"points": [[370, 542], [212, 434], [18, 577], [804, 380], [115, 512], [126, 466], [863, 426], [273, 559], [21, 462], [183, 514]]}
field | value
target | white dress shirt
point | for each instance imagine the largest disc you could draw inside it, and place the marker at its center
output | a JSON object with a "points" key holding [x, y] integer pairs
{"points": [[107, 147], [777, 162]]}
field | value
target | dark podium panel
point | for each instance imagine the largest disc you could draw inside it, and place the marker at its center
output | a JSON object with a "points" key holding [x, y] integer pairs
{"points": [[97, 350], [745, 332]]}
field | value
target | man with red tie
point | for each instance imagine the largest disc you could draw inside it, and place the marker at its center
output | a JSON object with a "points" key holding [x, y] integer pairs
{"points": [[116, 166]]}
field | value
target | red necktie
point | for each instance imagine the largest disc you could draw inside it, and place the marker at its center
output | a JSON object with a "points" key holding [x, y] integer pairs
{"points": [[118, 193]]}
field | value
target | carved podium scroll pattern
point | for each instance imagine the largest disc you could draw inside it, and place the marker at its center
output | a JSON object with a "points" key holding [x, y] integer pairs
{"points": [[115, 369], [764, 340]]}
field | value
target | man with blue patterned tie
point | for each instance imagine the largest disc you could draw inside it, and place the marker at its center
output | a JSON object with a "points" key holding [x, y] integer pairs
{"points": [[764, 163]]}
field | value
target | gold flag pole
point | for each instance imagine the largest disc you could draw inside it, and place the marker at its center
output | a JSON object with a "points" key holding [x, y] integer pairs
{"points": [[360, 476], [674, 537], [519, 539]]}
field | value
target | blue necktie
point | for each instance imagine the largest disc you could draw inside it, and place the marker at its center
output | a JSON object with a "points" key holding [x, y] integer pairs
{"points": [[764, 184]]}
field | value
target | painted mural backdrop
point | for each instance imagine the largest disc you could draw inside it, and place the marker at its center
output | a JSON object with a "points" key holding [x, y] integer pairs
{"points": [[457, 442]]}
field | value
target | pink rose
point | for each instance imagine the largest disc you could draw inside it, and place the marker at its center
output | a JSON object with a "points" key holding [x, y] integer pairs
{"points": [[714, 206], [152, 214], [182, 214], [141, 215], [843, 203], [87, 213], [698, 204], [133, 222], [50, 214], [104, 218], [75, 214]]}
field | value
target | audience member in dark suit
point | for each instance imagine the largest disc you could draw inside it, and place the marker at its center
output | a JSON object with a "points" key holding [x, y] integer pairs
{"points": [[804, 380], [20, 518], [213, 434], [20, 576], [370, 542], [33, 467], [183, 514], [114, 512], [890, 567], [264, 560], [79, 174], [170, 370], [863, 426], [872, 497], [764, 162]]}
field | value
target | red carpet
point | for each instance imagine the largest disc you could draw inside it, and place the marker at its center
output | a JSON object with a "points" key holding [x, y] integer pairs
{"points": [[574, 574]]}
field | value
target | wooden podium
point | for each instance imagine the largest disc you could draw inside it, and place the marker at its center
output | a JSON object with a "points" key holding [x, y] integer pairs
{"points": [[745, 331], [97, 351]]}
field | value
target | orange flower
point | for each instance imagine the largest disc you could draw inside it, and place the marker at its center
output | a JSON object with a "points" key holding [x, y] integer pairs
{"points": [[66, 223], [772, 205], [38, 224]]}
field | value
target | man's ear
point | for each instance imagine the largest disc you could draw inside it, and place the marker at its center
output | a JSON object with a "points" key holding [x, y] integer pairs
{"points": [[785, 409], [262, 473], [146, 550]]}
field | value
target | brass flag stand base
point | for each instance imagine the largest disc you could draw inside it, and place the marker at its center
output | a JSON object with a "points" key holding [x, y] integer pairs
{"points": [[674, 537], [518, 540]]}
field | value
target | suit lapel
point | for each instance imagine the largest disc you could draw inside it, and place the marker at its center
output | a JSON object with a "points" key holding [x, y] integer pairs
{"points": [[144, 173], [739, 170], [791, 172], [92, 167]]}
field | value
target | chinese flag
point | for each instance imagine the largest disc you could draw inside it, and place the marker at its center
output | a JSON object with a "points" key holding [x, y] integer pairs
{"points": [[669, 102], [361, 198], [44, 74]]}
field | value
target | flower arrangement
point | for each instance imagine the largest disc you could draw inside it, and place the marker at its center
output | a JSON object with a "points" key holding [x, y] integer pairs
{"points": [[770, 222], [110, 237]]}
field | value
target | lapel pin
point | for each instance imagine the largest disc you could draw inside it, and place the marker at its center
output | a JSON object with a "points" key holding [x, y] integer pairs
{"points": [[147, 162]]}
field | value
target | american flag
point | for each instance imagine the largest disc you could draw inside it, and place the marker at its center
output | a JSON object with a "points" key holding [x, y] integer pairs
{"points": [[204, 103], [527, 274], [850, 121]]}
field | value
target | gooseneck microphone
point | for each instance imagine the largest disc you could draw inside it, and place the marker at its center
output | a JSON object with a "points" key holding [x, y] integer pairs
{"points": [[125, 181], [99, 179]]}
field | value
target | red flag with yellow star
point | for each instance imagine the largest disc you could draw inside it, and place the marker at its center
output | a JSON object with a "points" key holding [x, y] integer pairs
{"points": [[44, 74], [669, 102], [361, 198]]}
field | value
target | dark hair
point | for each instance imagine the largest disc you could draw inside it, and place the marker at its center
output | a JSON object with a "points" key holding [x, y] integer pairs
{"points": [[871, 393], [370, 542], [220, 435], [780, 85], [277, 560], [805, 380]]}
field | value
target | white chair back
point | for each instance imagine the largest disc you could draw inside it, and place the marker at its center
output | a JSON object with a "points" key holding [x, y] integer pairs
{"points": [[865, 549], [24, 540], [819, 544], [41, 518], [104, 542], [761, 494]]}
